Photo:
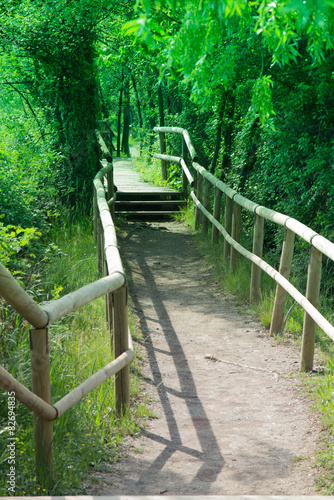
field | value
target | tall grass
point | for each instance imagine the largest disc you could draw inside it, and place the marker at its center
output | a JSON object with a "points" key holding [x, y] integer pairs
{"points": [[149, 169], [89, 433]]}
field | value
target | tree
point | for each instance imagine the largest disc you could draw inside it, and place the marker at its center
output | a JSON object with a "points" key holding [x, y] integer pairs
{"points": [[56, 40]]}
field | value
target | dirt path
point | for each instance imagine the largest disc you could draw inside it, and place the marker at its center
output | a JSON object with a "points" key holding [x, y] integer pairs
{"points": [[230, 417]]}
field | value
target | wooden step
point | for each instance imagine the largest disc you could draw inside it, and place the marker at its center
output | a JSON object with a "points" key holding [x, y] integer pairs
{"points": [[150, 202], [147, 214], [147, 195]]}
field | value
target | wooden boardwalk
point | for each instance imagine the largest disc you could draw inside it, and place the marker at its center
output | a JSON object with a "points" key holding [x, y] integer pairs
{"points": [[128, 180], [137, 198]]}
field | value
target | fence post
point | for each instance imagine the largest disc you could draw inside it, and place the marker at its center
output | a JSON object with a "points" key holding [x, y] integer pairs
{"points": [[200, 198], [95, 210], [108, 302], [41, 386], [257, 250], [163, 151], [216, 213], [120, 327], [236, 229], [107, 299], [184, 177], [206, 203], [280, 295], [312, 295], [227, 225], [110, 184], [100, 249]]}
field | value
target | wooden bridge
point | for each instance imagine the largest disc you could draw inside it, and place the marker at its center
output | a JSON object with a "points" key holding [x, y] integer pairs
{"points": [[136, 198]]}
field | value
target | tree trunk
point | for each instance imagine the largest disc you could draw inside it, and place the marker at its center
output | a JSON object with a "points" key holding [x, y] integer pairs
{"points": [[226, 163], [135, 89], [104, 108], [161, 106], [152, 111], [218, 137], [168, 101], [140, 116], [119, 118], [126, 118]]}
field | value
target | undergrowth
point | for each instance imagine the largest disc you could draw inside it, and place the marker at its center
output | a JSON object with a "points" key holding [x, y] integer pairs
{"points": [[89, 433]]}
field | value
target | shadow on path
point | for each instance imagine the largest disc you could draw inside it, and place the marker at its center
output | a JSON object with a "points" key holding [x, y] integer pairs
{"points": [[223, 426], [208, 455]]}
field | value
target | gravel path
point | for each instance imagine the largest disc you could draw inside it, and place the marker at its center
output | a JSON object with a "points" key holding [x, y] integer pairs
{"points": [[231, 419]]}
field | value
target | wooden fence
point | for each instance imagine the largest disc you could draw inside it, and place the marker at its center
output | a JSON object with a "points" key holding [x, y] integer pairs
{"points": [[113, 287], [207, 213]]}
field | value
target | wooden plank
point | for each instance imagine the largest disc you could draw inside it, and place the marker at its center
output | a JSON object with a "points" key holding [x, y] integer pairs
{"points": [[151, 202], [137, 198], [128, 180], [148, 212]]}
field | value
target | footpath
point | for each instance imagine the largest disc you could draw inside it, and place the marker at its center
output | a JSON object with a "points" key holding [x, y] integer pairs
{"points": [[230, 416]]}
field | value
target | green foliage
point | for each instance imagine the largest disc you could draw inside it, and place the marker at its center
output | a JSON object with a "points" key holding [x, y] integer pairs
{"points": [[55, 43], [16, 250], [325, 458], [150, 170], [26, 182], [88, 434], [261, 100]]}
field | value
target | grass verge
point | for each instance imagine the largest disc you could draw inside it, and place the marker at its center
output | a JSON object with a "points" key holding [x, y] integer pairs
{"points": [[88, 434]]}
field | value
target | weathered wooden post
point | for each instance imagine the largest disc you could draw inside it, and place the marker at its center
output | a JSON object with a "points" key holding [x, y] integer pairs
{"points": [[236, 230], [280, 295], [120, 327], [163, 151], [110, 184], [200, 198], [110, 313], [312, 295], [107, 297], [216, 213], [257, 250], [227, 225], [108, 302], [41, 386], [95, 211], [184, 177], [206, 203], [100, 246]]}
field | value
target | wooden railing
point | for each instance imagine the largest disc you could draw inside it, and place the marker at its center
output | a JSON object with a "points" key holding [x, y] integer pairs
{"points": [[113, 286], [208, 212]]}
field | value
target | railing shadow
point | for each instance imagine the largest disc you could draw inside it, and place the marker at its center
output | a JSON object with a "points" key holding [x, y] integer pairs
{"points": [[197, 446], [208, 455]]}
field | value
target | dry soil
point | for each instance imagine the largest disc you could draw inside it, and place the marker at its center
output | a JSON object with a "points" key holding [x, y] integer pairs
{"points": [[231, 418]]}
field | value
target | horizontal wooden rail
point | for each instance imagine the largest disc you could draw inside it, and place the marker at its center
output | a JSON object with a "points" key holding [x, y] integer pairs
{"points": [[185, 135], [273, 273], [110, 239], [234, 202], [52, 412], [71, 302], [112, 285], [23, 303], [25, 396], [325, 246], [180, 161], [95, 380]]}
